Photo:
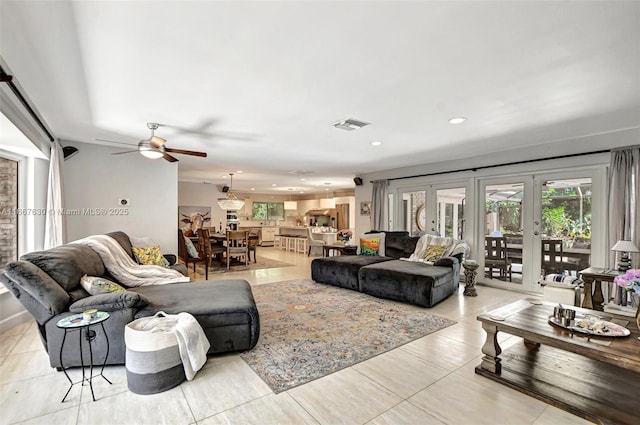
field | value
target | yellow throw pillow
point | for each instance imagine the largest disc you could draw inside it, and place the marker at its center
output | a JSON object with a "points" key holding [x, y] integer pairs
{"points": [[149, 255], [434, 252], [95, 285]]}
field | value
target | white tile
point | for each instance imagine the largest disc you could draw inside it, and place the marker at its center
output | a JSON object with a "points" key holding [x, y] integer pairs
{"points": [[24, 366], [273, 409], [30, 341], [226, 383], [554, 416], [62, 417], [344, 397], [441, 351], [401, 372], [35, 397], [169, 407], [7, 343], [405, 413], [474, 399], [117, 375]]}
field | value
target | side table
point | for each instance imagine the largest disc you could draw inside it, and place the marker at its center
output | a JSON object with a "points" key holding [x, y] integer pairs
{"points": [[342, 249], [593, 297], [77, 322], [470, 277]]}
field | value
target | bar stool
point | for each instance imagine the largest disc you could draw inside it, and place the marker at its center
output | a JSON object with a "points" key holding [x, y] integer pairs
{"points": [[301, 244]]}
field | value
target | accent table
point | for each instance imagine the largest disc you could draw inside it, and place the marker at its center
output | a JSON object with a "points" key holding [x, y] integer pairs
{"points": [[595, 275], [470, 277], [77, 322]]}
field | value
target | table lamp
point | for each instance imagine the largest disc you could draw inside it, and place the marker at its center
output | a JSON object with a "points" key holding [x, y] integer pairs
{"points": [[625, 247]]}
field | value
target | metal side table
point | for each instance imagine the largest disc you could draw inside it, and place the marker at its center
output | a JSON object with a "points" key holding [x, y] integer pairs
{"points": [[77, 322]]}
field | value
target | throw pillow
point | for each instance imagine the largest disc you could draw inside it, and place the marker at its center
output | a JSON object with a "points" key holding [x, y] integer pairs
{"points": [[372, 244], [191, 248], [150, 255], [99, 285], [434, 252]]}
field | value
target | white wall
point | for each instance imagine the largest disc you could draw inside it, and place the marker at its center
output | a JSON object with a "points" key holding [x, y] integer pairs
{"points": [[93, 178]]}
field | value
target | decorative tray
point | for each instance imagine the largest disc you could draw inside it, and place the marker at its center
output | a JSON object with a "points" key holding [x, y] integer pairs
{"points": [[592, 325]]}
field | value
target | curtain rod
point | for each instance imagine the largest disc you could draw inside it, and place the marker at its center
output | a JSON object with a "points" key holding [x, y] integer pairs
{"points": [[482, 167], [6, 78]]}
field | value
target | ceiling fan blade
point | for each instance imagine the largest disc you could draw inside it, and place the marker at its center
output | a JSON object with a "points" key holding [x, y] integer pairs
{"points": [[156, 141], [185, 152], [170, 158], [120, 153]]}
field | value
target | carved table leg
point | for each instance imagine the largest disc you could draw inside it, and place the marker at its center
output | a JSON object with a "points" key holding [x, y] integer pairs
{"points": [[531, 345], [587, 302], [491, 350]]}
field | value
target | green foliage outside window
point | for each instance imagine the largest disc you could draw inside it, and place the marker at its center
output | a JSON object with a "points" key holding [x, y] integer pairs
{"points": [[268, 211]]}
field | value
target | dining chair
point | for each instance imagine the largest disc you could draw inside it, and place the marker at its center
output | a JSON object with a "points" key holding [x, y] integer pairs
{"points": [[552, 256], [210, 248], [496, 257], [237, 246], [312, 242], [252, 244], [184, 255]]}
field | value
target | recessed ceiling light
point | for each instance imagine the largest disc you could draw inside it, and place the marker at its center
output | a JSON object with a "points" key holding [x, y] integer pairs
{"points": [[376, 143], [253, 188], [301, 191], [224, 177], [239, 171], [274, 185], [457, 120], [350, 124], [303, 180]]}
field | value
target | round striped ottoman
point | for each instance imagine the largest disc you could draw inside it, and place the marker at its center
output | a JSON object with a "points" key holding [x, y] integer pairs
{"points": [[152, 359]]}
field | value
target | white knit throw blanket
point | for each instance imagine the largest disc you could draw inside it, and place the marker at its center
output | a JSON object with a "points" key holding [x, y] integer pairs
{"points": [[123, 268]]}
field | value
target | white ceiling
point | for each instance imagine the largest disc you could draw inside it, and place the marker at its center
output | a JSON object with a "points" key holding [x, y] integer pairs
{"points": [[260, 83]]}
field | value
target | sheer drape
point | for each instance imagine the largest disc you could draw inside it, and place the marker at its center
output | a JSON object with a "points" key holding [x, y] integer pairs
{"points": [[378, 197], [624, 205], [54, 223]]}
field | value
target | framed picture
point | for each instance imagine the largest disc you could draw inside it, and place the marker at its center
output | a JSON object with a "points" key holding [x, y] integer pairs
{"points": [[190, 219], [365, 208]]}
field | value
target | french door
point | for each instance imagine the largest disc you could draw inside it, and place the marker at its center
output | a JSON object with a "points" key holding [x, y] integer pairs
{"points": [[533, 225]]}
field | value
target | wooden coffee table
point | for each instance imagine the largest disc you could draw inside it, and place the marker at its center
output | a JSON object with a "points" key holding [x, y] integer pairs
{"points": [[597, 378]]}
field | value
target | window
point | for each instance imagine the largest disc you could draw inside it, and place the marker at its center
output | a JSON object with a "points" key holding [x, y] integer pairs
{"points": [[268, 211]]}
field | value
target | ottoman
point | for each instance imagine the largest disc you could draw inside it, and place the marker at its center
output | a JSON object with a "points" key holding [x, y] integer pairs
{"points": [[225, 309], [342, 270], [408, 281]]}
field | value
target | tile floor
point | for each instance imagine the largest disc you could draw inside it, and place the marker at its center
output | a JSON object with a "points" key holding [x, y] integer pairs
{"points": [[428, 381]]}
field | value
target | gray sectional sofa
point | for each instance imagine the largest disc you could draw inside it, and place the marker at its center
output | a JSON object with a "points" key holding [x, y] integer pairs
{"points": [[388, 276], [47, 283]]}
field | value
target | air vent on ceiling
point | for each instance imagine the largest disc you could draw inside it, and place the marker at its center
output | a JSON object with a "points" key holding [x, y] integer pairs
{"points": [[300, 172], [350, 124]]}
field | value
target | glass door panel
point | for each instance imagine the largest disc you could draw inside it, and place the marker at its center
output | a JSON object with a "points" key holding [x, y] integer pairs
{"points": [[413, 218], [503, 235], [450, 212], [565, 225]]}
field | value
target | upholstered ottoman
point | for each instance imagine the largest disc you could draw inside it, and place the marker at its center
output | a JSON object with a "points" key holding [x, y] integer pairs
{"points": [[342, 270], [408, 281], [225, 309]]}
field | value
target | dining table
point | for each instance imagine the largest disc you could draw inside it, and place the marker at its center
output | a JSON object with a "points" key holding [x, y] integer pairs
{"points": [[581, 257]]}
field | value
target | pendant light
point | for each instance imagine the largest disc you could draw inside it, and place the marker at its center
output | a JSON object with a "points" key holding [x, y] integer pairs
{"points": [[231, 202]]}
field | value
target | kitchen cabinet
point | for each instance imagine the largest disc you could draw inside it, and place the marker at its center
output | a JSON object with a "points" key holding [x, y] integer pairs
{"points": [[247, 210], [268, 235]]}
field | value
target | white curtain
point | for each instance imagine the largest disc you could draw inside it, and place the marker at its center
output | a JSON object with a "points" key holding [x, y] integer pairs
{"points": [[378, 198], [624, 205], [54, 224]]}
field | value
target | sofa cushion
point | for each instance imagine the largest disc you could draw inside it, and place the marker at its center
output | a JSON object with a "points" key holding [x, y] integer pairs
{"points": [[66, 264], [48, 298], [123, 239], [109, 302], [225, 309], [408, 281], [342, 270]]}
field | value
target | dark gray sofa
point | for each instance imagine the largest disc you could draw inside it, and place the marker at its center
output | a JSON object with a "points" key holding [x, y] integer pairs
{"points": [[388, 277], [47, 283]]}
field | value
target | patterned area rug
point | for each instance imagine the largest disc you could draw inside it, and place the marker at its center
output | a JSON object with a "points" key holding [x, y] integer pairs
{"points": [[261, 263], [309, 330]]}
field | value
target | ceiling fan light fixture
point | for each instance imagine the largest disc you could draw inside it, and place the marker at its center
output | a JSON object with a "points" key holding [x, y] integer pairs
{"points": [[231, 202], [148, 151]]}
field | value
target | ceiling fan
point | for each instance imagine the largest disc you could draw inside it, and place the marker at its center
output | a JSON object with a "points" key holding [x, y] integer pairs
{"points": [[154, 147]]}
